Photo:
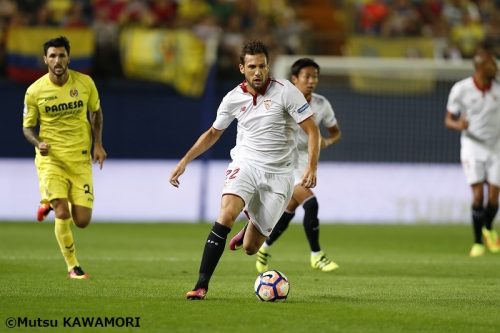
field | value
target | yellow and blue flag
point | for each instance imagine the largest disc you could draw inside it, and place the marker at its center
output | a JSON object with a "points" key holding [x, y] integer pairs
{"points": [[176, 58], [25, 50]]}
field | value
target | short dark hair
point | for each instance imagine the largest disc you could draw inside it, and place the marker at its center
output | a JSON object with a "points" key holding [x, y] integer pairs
{"points": [[253, 47], [301, 63], [56, 42]]}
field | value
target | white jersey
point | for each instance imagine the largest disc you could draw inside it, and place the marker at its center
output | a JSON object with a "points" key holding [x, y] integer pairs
{"points": [[267, 130], [324, 116], [482, 110]]}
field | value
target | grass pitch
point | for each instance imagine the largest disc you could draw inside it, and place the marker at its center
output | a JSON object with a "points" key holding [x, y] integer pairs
{"points": [[391, 279]]}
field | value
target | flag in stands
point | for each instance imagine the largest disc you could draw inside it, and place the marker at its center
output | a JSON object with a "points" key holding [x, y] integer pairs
{"points": [[25, 51], [176, 58]]}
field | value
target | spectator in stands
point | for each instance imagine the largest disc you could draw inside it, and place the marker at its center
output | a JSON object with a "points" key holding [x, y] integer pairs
{"points": [[289, 32], [248, 12], [192, 11], [8, 10], [222, 10], [137, 13], [492, 34], [230, 43], [487, 10], [106, 55], [27, 10], [164, 13], [431, 16], [75, 16], [467, 35], [372, 16], [402, 20], [58, 9], [473, 108], [262, 29], [207, 29], [44, 17], [115, 10], [454, 10]]}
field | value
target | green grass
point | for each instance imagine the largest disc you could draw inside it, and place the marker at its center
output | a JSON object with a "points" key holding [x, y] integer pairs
{"points": [[391, 279]]}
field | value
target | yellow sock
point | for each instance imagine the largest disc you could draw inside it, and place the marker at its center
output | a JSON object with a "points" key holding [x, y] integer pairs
{"points": [[64, 237]]}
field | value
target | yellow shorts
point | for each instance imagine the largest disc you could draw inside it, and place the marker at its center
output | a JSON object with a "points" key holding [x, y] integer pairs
{"points": [[71, 181]]}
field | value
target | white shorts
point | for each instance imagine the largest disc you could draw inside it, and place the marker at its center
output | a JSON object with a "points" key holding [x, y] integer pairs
{"points": [[480, 164], [266, 195]]}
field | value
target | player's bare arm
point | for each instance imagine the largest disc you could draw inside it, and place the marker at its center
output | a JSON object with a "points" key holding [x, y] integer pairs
{"points": [[34, 139], [96, 121], [456, 123], [332, 138], [204, 142], [313, 147]]}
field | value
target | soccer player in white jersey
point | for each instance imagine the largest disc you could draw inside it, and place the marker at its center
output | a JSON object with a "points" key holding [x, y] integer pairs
{"points": [[259, 179], [474, 110], [305, 76], [61, 103]]}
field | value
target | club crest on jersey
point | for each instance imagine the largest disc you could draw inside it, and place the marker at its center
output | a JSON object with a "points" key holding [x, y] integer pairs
{"points": [[243, 108], [73, 92], [268, 103]]}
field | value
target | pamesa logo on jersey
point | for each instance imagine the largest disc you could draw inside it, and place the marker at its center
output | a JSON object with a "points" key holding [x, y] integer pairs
{"points": [[64, 106]]}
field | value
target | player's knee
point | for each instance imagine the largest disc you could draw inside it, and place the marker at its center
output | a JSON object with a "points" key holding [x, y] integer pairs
{"points": [[62, 214], [251, 246], [82, 222], [61, 210], [311, 206], [251, 250]]}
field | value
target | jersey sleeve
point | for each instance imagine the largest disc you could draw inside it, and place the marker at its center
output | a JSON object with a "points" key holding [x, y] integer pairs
{"points": [[295, 103], [30, 110], [454, 104], [224, 114], [328, 120], [94, 103]]}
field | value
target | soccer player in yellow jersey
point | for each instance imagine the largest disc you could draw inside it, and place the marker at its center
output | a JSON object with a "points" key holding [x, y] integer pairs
{"points": [[62, 102]]}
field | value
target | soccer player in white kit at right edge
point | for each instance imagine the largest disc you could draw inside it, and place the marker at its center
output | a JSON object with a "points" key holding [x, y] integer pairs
{"points": [[259, 179], [473, 108]]}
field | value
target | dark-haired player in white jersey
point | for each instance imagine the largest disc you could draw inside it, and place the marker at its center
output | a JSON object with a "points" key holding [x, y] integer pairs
{"points": [[474, 109], [259, 179], [305, 76], [61, 103]]}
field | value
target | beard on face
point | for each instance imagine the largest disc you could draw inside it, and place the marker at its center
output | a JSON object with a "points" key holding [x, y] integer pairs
{"points": [[61, 69]]}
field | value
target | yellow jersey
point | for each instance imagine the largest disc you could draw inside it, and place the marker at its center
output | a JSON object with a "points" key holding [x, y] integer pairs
{"points": [[61, 113]]}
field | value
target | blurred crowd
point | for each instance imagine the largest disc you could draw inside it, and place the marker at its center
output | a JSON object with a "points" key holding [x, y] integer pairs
{"points": [[230, 21], [460, 25]]}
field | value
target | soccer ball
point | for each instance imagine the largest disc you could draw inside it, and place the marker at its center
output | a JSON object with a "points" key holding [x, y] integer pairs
{"points": [[271, 286]]}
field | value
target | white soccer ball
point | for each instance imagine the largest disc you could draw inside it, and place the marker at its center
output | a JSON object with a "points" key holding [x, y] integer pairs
{"points": [[271, 286]]}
